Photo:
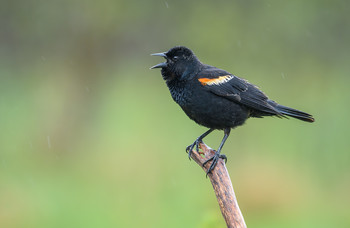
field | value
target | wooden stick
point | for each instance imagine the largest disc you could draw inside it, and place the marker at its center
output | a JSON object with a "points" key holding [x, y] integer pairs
{"points": [[222, 185]]}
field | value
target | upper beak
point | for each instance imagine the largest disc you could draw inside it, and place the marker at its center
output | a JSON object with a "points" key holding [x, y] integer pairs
{"points": [[160, 65], [163, 54]]}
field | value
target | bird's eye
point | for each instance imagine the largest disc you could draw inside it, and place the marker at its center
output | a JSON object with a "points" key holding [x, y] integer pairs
{"points": [[175, 58]]}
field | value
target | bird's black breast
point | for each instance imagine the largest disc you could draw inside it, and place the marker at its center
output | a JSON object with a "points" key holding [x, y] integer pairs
{"points": [[179, 91], [206, 108]]}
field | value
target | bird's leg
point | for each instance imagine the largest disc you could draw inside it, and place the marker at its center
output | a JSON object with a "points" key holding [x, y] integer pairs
{"points": [[217, 154], [196, 143]]}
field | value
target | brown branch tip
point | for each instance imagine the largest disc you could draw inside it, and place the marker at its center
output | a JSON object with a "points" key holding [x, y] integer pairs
{"points": [[222, 186]]}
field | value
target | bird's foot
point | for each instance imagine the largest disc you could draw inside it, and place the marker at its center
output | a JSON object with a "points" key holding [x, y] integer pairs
{"points": [[214, 160], [193, 145]]}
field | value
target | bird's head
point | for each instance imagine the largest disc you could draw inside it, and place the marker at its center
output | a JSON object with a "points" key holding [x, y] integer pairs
{"points": [[180, 62]]}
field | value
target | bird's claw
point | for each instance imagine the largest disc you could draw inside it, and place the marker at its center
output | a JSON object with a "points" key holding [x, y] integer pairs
{"points": [[214, 160], [223, 156], [189, 148]]}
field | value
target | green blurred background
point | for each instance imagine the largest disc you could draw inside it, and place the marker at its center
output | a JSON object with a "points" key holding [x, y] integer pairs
{"points": [[90, 137]]}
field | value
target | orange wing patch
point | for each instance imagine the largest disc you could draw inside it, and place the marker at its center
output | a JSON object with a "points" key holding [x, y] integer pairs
{"points": [[215, 81]]}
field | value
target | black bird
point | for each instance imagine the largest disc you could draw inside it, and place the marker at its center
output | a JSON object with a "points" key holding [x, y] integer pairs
{"points": [[216, 98]]}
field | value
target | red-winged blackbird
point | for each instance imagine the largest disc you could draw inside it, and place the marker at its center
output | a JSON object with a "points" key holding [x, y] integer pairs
{"points": [[216, 98]]}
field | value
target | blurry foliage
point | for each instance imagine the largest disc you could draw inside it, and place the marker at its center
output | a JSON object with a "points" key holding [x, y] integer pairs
{"points": [[91, 138]]}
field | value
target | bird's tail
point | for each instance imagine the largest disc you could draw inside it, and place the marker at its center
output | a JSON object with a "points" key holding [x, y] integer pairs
{"points": [[292, 112]]}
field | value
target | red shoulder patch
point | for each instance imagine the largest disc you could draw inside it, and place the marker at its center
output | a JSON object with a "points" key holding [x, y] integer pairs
{"points": [[215, 81]]}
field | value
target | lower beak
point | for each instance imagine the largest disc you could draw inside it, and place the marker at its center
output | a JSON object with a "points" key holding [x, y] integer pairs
{"points": [[160, 65]]}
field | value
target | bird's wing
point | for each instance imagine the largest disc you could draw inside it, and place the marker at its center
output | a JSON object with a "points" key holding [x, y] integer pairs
{"points": [[236, 89]]}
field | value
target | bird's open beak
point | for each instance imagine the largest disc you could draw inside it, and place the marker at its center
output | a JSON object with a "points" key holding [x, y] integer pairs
{"points": [[160, 65]]}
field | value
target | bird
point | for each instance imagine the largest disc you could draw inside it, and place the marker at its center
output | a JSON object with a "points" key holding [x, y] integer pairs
{"points": [[215, 98]]}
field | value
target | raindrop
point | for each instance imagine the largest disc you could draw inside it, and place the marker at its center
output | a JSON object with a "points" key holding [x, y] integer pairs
{"points": [[282, 74], [166, 4], [49, 142]]}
